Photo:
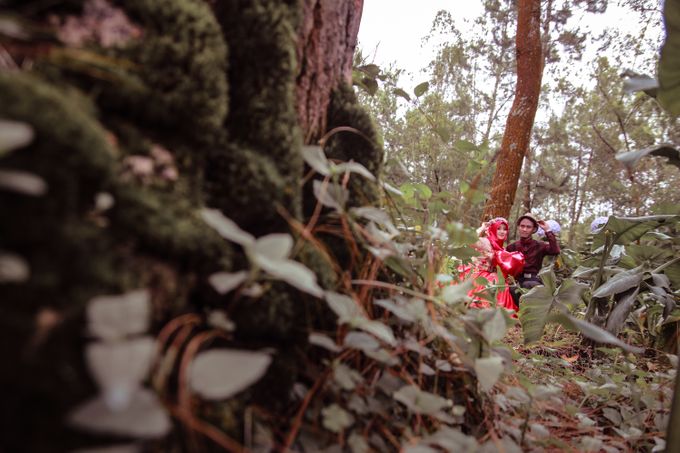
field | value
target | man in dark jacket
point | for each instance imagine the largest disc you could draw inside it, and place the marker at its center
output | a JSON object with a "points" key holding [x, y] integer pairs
{"points": [[533, 251]]}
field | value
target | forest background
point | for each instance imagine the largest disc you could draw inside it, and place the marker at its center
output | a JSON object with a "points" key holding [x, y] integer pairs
{"points": [[204, 248], [585, 114]]}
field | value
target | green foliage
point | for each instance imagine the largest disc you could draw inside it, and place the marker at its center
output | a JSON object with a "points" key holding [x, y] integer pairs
{"points": [[624, 230], [669, 64], [537, 305], [615, 400]]}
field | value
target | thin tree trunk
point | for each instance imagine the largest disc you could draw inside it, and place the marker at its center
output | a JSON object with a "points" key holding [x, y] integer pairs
{"points": [[526, 199], [574, 202], [582, 197], [521, 118]]}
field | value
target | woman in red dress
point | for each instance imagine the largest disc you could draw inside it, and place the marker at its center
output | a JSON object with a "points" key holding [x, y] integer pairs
{"points": [[492, 256]]}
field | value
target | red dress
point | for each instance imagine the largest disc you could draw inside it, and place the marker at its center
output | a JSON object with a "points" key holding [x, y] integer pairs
{"points": [[493, 256]]}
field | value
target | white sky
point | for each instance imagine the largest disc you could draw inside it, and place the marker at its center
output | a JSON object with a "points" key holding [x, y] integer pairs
{"points": [[392, 30]]}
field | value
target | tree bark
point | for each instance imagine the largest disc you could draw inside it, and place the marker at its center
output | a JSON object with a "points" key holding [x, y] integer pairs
{"points": [[520, 121], [326, 43]]}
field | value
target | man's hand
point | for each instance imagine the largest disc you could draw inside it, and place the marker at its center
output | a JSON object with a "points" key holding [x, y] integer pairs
{"points": [[544, 225]]}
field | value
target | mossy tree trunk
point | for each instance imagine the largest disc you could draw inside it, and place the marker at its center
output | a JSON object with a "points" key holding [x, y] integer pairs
{"points": [[208, 107]]}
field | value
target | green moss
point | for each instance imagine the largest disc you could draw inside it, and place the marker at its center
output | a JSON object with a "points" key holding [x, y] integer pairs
{"points": [[168, 226], [179, 80], [248, 188], [345, 110], [68, 141], [276, 318], [261, 35]]}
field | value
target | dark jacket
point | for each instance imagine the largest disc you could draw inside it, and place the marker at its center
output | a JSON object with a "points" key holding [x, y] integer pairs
{"points": [[534, 251]]}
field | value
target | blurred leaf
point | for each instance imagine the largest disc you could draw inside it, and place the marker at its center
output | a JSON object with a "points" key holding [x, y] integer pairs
{"points": [[593, 332], [227, 228], [649, 253], [22, 182], [294, 273], [378, 216], [144, 418], [219, 320], [423, 191], [673, 274], [534, 308], [218, 374], [630, 158], [380, 330], [370, 85], [475, 196], [119, 367], [13, 268], [383, 356], [669, 63], [275, 247], [419, 401], [223, 282], [343, 306], [402, 93], [620, 282], [494, 329], [330, 195], [421, 89], [316, 159], [397, 310], [14, 134], [645, 83], [453, 294], [584, 272], [624, 305], [488, 370], [464, 145], [346, 377], [443, 133], [323, 341], [114, 317], [336, 419], [353, 167], [452, 440], [628, 229], [570, 293], [361, 341], [371, 70], [357, 444]]}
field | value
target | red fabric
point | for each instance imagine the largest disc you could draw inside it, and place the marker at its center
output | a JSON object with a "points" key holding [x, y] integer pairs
{"points": [[509, 263], [480, 297]]}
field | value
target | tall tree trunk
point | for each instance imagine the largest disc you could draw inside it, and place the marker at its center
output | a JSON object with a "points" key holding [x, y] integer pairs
{"points": [[325, 48], [521, 118]]}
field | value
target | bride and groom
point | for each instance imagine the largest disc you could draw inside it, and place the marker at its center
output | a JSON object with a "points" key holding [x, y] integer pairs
{"points": [[521, 260]]}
